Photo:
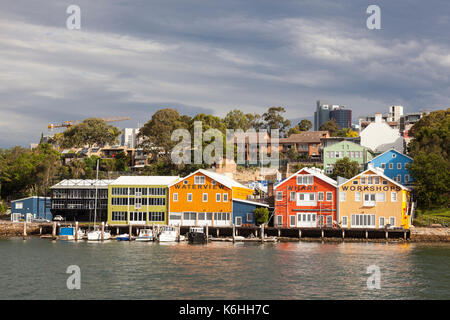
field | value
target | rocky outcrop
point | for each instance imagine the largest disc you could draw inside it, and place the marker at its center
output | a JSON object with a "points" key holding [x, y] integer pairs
{"points": [[430, 234], [9, 229]]}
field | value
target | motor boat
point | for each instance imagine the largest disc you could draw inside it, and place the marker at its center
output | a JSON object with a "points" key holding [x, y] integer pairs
{"points": [[145, 235], [96, 235], [68, 233], [196, 235], [168, 234], [123, 237]]}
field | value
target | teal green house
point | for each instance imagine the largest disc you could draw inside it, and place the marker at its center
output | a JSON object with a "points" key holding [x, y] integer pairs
{"points": [[339, 150]]}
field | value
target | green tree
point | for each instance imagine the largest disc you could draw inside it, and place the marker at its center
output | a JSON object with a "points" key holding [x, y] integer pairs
{"points": [[255, 120], [331, 126], [345, 168], [346, 132], [261, 215], [90, 132], [275, 120], [304, 125], [122, 161], [431, 174], [156, 134], [236, 119]]}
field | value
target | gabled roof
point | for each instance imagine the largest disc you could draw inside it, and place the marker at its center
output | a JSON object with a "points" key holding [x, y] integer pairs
{"points": [[226, 181], [251, 202], [32, 197], [145, 180], [82, 184], [313, 171], [306, 136], [378, 172], [393, 150]]}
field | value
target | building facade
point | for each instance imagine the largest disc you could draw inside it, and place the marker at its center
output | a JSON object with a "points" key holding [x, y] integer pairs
{"points": [[204, 198], [243, 212], [75, 199], [31, 208], [307, 142], [306, 199], [139, 200], [324, 112], [343, 117], [342, 149], [379, 136], [373, 200], [394, 165]]}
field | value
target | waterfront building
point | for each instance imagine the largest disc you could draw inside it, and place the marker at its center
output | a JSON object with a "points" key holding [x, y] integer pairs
{"points": [[243, 211], [345, 148], [139, 200], [394, 165], [306, 199], [379, 136], [373, 200], [31, 208], [307, 142], [74, 199], [204, 198]]}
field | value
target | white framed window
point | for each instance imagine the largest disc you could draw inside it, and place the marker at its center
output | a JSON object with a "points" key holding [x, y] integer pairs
{"points": [[399, 165], [369, 199], [218, 197], [369, 180], [279, 220], [381, 197], [392, 221], [345, 222], [398, 178], [175, 197], [393, 196], [238, 221], [342, 196], [377, 180], [383, 166], [406, 178], [199, 180], [279, 195], [320, 196], [292, 220], [205, 197], [225, 197], [391, 165], [292, 196], [305, 179], [19, 205], [189, 197], [381, 222], [306, 199], [363, 180], [329, 196], [363, 220], [249, 217], [355, 181], [358, 196]]}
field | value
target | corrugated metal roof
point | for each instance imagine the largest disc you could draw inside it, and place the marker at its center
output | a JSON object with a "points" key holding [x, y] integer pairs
{"points": [[145, 180], [313, 171], [82, 184], [306, 136]]}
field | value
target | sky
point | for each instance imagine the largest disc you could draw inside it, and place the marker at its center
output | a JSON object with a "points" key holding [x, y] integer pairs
{"points": [[133, 57]]}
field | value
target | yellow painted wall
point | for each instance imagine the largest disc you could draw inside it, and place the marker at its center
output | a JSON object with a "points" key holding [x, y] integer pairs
{"points": [[131, 208], [242, 193], [384, 209]]}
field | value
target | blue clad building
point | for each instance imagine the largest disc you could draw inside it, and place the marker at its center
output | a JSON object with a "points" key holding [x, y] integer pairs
{"points": [[243, 212], [31, 208], [394, 165]]}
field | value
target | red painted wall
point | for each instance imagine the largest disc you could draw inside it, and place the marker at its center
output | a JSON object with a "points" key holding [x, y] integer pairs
{"points": [[286, 206]]}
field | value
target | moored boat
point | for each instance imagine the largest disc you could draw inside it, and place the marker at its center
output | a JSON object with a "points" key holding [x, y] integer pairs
{"points": [[168, 234], [123, 237], [196, 235], [96, 235], [145, 235]]}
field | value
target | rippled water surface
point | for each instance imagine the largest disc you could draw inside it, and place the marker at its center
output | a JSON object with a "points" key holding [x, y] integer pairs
{"points": [[36, 269]]}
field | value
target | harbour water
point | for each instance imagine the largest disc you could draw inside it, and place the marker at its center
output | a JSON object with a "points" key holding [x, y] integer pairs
{"points": [[36, 269]]}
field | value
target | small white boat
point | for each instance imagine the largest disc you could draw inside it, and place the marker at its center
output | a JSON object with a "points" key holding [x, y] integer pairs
{"points": [[123, 237], [96, 235], [168, 234], [145, 235], [68, 233]]}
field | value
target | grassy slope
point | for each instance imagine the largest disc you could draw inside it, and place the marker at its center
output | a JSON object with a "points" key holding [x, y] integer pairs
{"points": [[428, 217]]}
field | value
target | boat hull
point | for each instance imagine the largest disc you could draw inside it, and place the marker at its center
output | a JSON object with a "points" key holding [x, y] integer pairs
{"points": [[196, 238]]}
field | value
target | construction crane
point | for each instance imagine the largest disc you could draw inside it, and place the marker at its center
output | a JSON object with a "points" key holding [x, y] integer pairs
{"points": [[69, 123]]}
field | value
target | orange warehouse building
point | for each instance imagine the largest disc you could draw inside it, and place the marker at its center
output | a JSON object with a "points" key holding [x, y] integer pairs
{"points": [[204, 198], [307, 199]]}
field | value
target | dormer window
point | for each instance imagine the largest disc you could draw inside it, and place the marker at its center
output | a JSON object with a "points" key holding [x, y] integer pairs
{"points": [[305, 179]]}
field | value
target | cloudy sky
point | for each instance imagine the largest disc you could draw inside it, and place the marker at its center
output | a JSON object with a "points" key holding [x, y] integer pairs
{"points": [[132, 57]]}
